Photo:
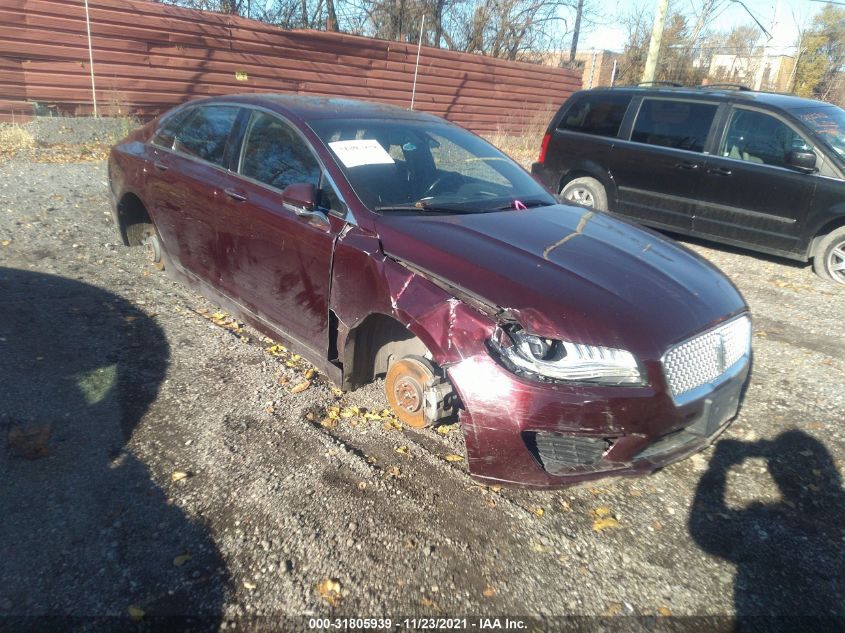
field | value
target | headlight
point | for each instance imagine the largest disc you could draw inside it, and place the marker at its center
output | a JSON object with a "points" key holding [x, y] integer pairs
{"points": [[563, 360]]}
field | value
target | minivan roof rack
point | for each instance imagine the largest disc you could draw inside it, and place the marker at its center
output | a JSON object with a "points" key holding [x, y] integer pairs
{"points": [[725, 85], [674, 84]]}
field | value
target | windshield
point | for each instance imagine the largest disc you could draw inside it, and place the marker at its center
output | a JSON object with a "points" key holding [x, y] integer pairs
{"points": [[402, 164], [828, 122]]}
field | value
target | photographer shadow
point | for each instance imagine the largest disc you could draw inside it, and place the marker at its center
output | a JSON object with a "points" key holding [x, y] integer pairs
{"points": [[85, 531], [789, 555]]}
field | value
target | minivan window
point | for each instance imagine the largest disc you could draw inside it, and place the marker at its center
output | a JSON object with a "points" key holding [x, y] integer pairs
{"points": [[757, 137], [204, 135], [596, 114], [828, 122], [276, 155], [678, 124]]}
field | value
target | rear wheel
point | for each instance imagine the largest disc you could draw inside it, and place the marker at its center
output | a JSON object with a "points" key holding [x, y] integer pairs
{"points": [[829, 260], [586, 191], [405, 385]]}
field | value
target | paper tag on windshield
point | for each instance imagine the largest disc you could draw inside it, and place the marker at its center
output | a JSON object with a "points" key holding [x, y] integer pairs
{"points": [[362, 152]]}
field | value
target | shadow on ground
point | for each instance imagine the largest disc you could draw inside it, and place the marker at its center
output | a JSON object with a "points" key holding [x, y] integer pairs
{"points": [[84, 531], [789, 555]]}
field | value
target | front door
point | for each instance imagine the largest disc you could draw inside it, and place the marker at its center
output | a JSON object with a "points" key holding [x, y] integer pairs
{"points": [[748, 195], [278, 264], [658, 170]]}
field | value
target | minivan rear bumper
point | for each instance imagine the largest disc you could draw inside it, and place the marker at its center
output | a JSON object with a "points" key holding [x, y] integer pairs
{"points": [[546, 435]]}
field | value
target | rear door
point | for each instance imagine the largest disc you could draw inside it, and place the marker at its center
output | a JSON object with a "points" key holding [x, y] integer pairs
{"points": [[748, 194], [278, 264], [657, 171], [185, 187]]}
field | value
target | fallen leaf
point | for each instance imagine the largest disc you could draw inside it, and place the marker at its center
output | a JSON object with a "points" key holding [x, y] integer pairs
{"points": [[310, 416], [179, 475], [603, 524], [402, 450], [349, 412], [371, 459], [539, 548], [301, 387], [328, 422], [337, 392], [181, 559], [135, 612], [453, 458], [392, 424], [488, 592], [5, 242], [496, 488], [445, 429], [613, 609], [664, 611], [393, 471], [310, 373], [428, 602], [657, 525], [329, 590], [601, 512], [249, 585], [539, 512], [362, 485], [276, 350]]}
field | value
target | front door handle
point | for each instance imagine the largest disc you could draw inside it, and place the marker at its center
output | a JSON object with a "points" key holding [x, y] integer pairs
{"points": [[686, 165], [719, 171], [160, 166], [235, 195]]}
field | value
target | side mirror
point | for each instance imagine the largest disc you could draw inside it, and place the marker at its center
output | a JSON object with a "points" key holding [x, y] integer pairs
{"points": [[301, 198], [803, 161]]}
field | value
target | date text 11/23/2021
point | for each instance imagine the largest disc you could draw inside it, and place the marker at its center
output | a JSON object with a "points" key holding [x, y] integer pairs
{"points": [[417, 624]]}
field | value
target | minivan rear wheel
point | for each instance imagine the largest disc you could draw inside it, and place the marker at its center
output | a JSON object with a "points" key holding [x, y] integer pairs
{"points": [[829, 260], [585, 191]]}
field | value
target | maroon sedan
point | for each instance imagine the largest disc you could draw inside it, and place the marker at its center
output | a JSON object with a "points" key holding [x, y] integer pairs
{"points": [[383, 242]]}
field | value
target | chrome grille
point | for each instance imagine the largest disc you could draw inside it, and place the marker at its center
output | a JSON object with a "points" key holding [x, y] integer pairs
{"points": [[703, 358]]}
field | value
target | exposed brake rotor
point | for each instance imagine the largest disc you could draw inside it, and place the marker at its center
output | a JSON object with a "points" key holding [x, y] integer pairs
{"points": [[405, 386]]}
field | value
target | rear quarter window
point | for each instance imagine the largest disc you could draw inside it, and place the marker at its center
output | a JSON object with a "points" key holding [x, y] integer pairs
{"points": [[678, 124], [599, 114]]}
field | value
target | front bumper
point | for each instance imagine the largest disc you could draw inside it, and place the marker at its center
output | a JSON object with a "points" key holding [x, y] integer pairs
{"points": [[534, 434]]}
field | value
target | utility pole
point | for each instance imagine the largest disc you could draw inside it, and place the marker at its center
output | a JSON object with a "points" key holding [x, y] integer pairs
{"points": [[576, 32], [654, 44]]}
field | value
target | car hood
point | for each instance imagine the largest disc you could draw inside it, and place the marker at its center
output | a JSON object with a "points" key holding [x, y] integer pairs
{"points": [[568, 272]]}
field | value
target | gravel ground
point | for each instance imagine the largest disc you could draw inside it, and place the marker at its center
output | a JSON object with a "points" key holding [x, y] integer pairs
{"points": [[157, 462]]}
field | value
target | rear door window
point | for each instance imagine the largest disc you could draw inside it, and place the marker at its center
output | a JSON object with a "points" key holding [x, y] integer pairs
{"points": [[599, 114], [756, 137], [205, 134], [679, 124]]}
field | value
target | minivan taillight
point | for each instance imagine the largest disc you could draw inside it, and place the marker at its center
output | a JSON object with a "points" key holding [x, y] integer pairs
{"points": [[544, 145]]}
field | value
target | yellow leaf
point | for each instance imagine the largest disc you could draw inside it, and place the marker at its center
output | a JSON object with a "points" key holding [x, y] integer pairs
{"points": [[402, 450], [496, 488], [392, 424], [613, 608], [329, 590], [328, 423], [337, 392], [276, 350], [603, 524], [371, 459], [249, 585], [135, 612], [217, 316], [6, 242], [178, 475], [488, 592], [310, 373], [453, 458], [362, 485], [539, 512], [601, 512], [372, 416], [445, 429], [664, 611], [301, 387], [334, 412], [181, 559], [349, 412], [296, 357]]}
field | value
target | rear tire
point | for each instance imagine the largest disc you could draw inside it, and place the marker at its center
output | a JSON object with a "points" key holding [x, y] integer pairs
{"points": [[586, 192], [829, 258]]}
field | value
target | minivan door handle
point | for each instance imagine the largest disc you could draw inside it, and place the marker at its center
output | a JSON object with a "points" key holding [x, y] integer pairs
{"points": [[719, 171], [235, 195], [686, 165]]}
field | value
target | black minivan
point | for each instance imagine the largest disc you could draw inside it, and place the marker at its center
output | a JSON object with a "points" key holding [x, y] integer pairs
{"points": [[758, 170]]}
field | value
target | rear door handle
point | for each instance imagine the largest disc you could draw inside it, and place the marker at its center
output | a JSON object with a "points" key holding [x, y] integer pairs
{"points": [[719, 171], [686, 165], [160, 166], [235, 195]]}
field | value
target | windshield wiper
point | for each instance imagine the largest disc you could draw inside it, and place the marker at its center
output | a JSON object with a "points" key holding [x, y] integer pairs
{"points": [[521, 204], [421, 207]]}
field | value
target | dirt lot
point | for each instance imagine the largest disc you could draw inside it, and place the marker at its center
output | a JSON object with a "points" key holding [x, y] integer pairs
{"points": [[154, 461]]}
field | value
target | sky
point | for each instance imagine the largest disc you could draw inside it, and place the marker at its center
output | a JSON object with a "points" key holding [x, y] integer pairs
{"points": [[780, 17]]}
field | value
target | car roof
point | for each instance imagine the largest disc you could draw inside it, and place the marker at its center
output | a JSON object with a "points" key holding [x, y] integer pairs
{"points": [[772, 99], [309, 108]]}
